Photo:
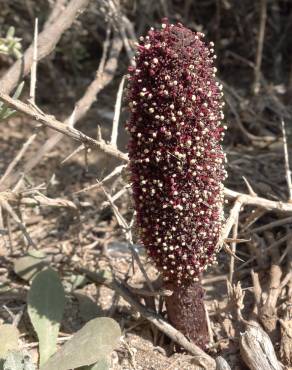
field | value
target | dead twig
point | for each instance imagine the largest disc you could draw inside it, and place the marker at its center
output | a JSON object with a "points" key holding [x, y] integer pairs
{"points": [[116, 171], [104, 75], [271, 225], [267, 204], [5, 205], [56, 125], [233, 250], [286, 157], [33, 71], [116, 119], [128, 234], [260, 46], [233, 216], [17, 159]]}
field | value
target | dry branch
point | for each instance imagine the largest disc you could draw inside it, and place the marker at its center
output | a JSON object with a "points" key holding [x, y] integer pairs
{"points": [[58, 7], [268, 311], [114, 152], [257, 350], [271, 225], [47, 41], [5, 205], [222, 364], [33, 71], [286, 322], [260, 46], [286, 157], [104, 75], [16, 160], [56, 125], [270, 205], [115, 128]]}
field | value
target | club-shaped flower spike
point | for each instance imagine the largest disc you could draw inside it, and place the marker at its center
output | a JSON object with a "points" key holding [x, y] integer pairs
{"points": [[176, 158]]}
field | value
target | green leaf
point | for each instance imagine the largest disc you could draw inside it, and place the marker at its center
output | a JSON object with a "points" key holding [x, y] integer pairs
{"points": [[27, 267], [6, 112], [10, 33], [18, 361], [46, 301], [102, 364], [87, 307], [18, 90], [95, 341], [8, 339]]}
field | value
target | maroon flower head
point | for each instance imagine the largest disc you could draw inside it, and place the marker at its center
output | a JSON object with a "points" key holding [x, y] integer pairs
{"points": [[176, 159]]}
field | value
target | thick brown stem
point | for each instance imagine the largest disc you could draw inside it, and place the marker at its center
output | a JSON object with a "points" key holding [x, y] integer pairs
{"points": [[186, 312]]}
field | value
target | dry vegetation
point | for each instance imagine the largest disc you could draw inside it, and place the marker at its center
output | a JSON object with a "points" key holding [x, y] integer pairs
{"points": [[65, 200]]}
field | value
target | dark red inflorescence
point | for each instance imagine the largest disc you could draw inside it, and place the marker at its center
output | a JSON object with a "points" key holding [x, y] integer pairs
{"points": [[176, 159]]}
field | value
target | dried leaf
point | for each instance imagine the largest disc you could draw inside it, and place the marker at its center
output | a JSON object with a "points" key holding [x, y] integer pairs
{"points": [[46, 301], [8, 339], [95, 341]]}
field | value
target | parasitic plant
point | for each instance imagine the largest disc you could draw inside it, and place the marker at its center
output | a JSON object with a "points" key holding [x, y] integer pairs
{"points": [[177, 164]]}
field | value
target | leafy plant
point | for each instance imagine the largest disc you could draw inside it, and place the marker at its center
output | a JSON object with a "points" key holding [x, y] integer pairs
{"points": [[46, 301], [10, 45], [95, 342]]}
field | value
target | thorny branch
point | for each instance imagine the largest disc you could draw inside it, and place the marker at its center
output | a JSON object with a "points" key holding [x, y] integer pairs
{"points": [[56, 125]]}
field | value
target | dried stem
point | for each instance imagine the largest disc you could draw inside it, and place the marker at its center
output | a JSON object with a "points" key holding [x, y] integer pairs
{"points": [[104, 76], [261, 37], [116, 119], [233, 250], [56, 125], [33, 72], [286, 156]]}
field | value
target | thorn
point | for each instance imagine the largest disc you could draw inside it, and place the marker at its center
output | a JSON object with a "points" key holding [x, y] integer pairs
{"points": [[98, 136], [231, 240], [229, 251], [250, 189], [79, 149], [72, 117]]}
